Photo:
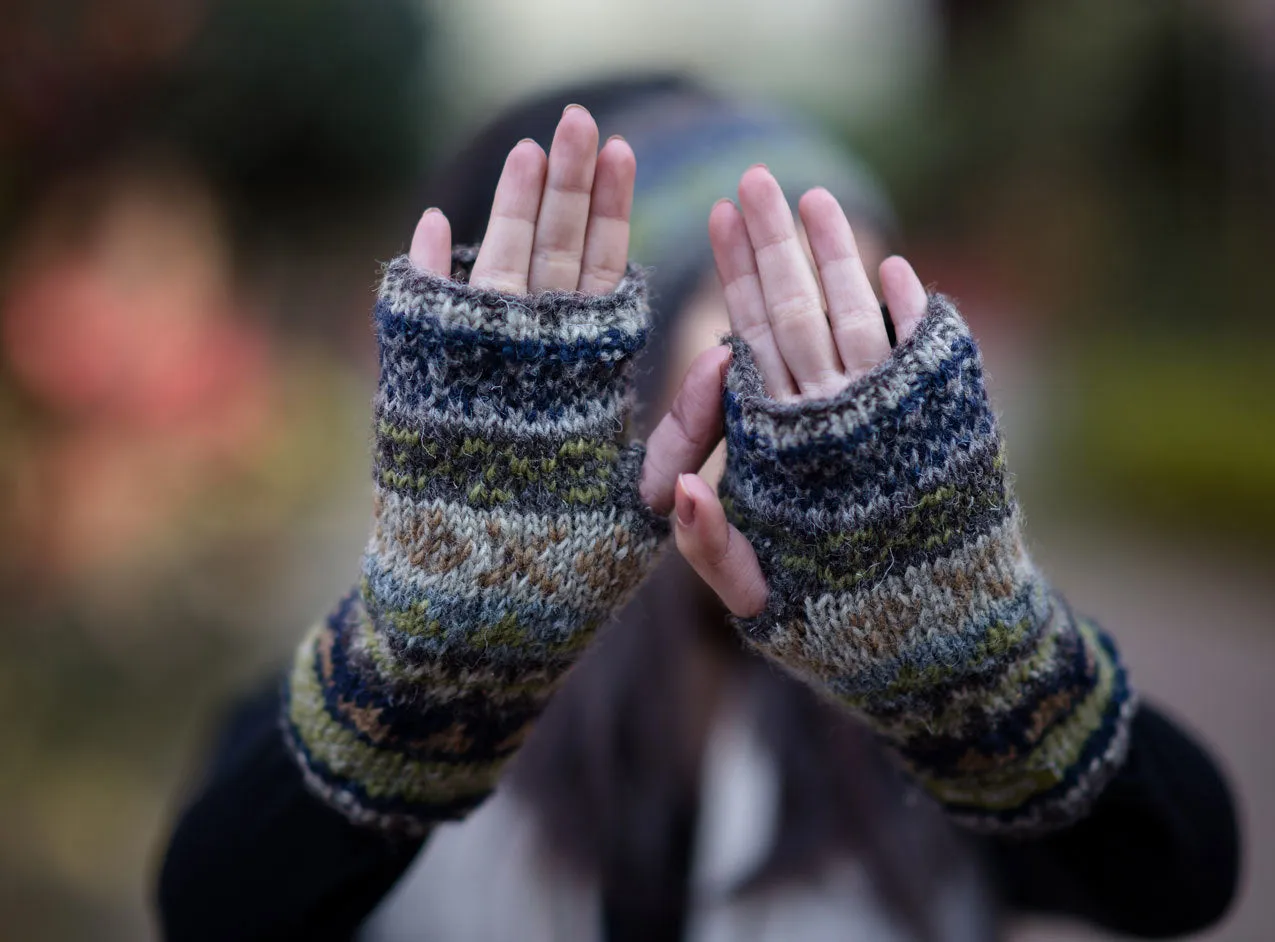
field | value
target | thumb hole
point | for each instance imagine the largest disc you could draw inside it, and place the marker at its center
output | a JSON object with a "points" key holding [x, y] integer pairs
{"points": [[717, 551]]}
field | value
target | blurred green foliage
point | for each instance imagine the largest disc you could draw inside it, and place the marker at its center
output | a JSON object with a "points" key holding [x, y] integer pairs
{"points": [[1176, 432]]}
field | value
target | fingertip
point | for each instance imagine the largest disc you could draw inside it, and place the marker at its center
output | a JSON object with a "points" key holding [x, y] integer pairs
{"points": [[619, 149], [617, 161], [528, 149], [432, 243], [683, 503], [904, 295], [718, 553], [728, 235], [719, 355], [896, 263], [707, 375], [755, 181], [577, 122], [701, 520], [815, 196], [722, 217], [818, 207], [526, 164]]}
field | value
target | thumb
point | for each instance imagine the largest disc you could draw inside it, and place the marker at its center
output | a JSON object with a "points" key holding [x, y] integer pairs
{"points": [[719, 553], [687, 435]]}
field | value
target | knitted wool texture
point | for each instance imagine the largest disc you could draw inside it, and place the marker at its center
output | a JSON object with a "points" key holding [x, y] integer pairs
{"points": [[886, 527], [507, 528]]}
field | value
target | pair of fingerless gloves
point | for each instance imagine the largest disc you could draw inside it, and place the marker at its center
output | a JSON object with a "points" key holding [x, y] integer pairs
{"points": [[508, 529]]}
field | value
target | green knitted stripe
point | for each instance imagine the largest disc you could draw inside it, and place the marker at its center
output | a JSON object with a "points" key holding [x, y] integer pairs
{"points": [[485, 492], [577, 471], [999, 640], [575, 449], [381, 773], [1014, 780], [445, 682], [577, 457], [507, 632], [967, 706], [844, 560]]}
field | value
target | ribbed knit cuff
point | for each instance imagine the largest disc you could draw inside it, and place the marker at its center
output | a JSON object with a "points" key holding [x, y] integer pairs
{"points": [[508, 528], [886, 527]]}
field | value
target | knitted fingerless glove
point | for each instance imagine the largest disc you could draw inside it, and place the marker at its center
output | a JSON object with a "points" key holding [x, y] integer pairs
{"points": [[508, 527], [886, 527]]}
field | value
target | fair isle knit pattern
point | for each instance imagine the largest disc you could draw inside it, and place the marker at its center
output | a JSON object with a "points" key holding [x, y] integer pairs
{"points": [[886, 526], [507, 529]]}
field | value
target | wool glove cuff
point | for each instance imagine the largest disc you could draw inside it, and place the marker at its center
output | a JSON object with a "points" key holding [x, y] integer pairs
{"points": [[900, 586], [507, 529]]}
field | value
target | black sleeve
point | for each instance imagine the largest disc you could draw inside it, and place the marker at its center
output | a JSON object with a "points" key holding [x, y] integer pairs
{"points": [[1157, 857], [256, 856]]}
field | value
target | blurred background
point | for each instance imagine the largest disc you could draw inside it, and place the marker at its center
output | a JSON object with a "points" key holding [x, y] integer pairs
{"points": [[193, 198]]}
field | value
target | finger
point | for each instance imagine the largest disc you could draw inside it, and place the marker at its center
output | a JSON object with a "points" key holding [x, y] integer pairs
{"points": [[431, 249], [737, 269], [904, 295], [564, 209], [788, 284], [853, 309], [505, 256], [719, 553], [687, 435], [606, 240]]}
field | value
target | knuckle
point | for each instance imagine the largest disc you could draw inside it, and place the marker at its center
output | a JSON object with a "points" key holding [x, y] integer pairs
{"points": [[681, 426], [793, 309], [718, 548], [606, 276], [755, 334], [826, 383], [502, 279], [556, 255], [861, 335]]}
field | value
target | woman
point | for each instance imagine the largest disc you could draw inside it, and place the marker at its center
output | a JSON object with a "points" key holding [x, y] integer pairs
{"points": [[847, 706]]}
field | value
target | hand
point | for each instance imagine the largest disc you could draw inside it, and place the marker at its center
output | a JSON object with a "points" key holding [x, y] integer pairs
{"points": [[803, 348], [559, 223], [562, 224]]}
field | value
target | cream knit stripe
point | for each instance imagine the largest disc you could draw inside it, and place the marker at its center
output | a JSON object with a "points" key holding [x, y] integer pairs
{"points": [[592, 418], [791, 425], [548, 317]]}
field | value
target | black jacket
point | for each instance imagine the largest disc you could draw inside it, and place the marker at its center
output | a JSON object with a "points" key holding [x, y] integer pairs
{"points": [[256, 856]]}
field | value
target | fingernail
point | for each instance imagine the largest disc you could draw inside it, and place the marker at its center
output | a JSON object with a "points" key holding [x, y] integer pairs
{"points": [[526, 140], [726, 362], [763, 166], [616, 137], [724, 199], [684, 503], [574, 106], [431, 211]]}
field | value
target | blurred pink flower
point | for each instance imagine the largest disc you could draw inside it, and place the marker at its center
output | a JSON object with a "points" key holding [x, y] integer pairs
{"points": [[124, 329]]}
